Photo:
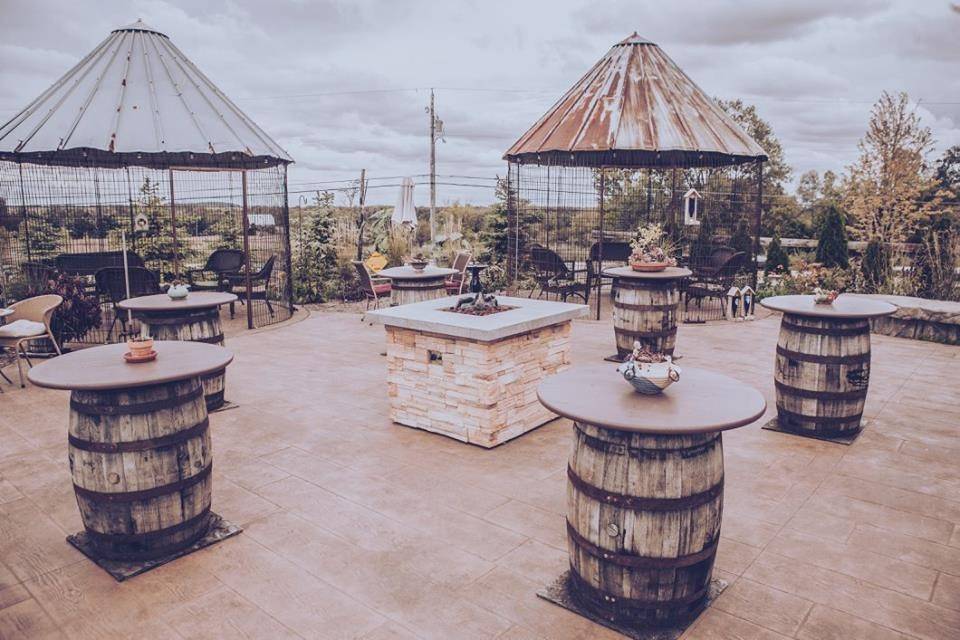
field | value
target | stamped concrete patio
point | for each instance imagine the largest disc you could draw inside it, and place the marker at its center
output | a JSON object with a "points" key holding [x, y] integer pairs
{"points": [[359, 528]]}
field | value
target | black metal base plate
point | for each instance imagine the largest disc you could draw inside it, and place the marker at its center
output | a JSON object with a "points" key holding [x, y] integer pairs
{"points": [[121, 570], [226, 406], [558, 592], [774, 425]]}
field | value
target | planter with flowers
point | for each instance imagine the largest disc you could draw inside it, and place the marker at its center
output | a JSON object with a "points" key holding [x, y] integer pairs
{"points": [[652, 249]]}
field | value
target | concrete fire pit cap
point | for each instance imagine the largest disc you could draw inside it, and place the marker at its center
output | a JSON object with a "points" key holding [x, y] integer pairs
{"points": [[431, 317]]}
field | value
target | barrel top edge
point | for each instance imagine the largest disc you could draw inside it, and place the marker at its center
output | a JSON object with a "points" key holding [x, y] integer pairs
{"points": [[163, 302], [104, 369], [670, 273], [845, 307]]}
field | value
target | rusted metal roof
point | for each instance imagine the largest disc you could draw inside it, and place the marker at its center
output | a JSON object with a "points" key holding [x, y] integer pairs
{"points": [[136, 99], [636, 107]]}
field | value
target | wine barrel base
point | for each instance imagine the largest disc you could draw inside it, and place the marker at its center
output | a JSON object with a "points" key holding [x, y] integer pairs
{"points": [[219, 529], [846, 438], [563, 592]]}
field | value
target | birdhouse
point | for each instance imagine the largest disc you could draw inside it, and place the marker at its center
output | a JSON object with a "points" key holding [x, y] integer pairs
{"points": [[733, 304], [691, 207], [748, 302], [141, 222]]}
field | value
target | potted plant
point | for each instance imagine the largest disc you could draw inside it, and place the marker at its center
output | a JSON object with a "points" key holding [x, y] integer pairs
{"points": [[647, 371], [178, 290], [141, 349], [652, 249], [418, 262]]}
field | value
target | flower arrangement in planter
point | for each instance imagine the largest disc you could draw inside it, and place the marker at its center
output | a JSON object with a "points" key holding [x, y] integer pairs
{"points": [[825, 296], [652, 249], [647, 371], [419, 262], [178, 290]]}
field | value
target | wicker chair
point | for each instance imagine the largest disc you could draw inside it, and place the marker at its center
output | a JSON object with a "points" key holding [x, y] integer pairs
{"points": [[373, 288], [34, 311], [259, 284], [454, 283], [213, 277], [112, 287], [553, 275]]}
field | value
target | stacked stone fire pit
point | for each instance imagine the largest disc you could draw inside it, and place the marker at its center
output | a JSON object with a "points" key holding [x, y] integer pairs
{"points": [[474, 377]]}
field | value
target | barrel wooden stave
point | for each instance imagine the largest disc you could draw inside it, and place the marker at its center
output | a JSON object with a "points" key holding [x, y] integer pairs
{"points": [[822, 373], [645, 311], [123, 526], [672, 544], [198, 325], [408, 291]]}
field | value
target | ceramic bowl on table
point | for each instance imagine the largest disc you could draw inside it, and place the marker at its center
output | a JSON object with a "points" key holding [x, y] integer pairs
{"points": [[649, 378]]}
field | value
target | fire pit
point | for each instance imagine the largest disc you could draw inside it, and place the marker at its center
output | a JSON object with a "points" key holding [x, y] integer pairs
{"points": [[469, 369]]}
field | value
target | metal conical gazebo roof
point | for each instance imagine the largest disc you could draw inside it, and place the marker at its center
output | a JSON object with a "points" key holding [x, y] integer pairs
{"points": [[136, 99], [637, 108]]}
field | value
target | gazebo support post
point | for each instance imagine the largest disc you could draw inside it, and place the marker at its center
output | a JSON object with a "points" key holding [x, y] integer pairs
{"points": [[603, 189], [173, 228], [289, 260], [23, 210], [756, 225], [246, 251]]}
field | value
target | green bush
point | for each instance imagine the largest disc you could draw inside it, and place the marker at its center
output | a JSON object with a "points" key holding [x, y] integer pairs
{"points": [[832, 240], [875, 267], [777, 258]]}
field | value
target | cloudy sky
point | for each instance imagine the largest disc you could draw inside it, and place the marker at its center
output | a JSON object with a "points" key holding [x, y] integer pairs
{"points": [[343, 85]]}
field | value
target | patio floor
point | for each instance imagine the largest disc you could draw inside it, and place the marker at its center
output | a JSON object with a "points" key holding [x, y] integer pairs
{"points": [[359, 528]]}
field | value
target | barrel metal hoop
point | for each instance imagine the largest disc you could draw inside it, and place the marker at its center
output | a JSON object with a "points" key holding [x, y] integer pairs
{"points": [[823, 420], [647, 284], [637, 452], [146, 536], [132, 409], [860, 358], [157, 318], [853, 394], [146, 494], [647, 307], [826, 331], [641, 562], [609, 603], [639, 503], [141, 445], [217, 339], [672, 331], [213, 375]]}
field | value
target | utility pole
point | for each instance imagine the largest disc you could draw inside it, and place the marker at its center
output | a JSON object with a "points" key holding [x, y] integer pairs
{"points": [[361, 222], [433, 168]]}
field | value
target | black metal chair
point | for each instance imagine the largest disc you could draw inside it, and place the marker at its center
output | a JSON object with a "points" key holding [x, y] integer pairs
{"points": [[213, 277], [112, 286], [713, 278], [553, 275], [259, 284], [612, 251]]}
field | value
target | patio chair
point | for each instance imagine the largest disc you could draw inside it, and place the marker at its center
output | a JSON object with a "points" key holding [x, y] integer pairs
{"points": [[715, 277], [213, 275], [29, 321], [373, 288], [259, 284], [553, 275], [112, 287], [615, 252], [454, 283]]}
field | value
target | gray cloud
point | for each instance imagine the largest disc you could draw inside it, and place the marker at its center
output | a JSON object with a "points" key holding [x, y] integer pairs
{"points": [[332, 80]]}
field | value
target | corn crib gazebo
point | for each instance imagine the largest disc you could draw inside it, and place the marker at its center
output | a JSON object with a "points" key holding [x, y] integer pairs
{"points": [[135, 145], [634, 141]]}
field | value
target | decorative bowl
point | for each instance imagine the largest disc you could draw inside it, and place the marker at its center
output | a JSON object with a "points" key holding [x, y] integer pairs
{"points": [[178, 291], [649, 378], [418, 265], [824, 297], [649, 266]]}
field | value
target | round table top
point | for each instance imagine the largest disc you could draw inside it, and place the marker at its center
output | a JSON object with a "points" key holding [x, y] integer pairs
{"points": [[163, 302], [409, 273], [103, 368], [700, 402], [670, 273], [843, 307]]}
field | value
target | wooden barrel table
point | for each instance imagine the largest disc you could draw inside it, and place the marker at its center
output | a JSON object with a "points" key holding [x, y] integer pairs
{"points": [[195, 318], [645, 308], [408, 285], [823, 364], [645, 489], [139, 446]]}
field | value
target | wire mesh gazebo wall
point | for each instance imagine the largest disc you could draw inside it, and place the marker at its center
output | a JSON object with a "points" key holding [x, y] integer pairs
{"points": [[51, 211], [559, 207]]}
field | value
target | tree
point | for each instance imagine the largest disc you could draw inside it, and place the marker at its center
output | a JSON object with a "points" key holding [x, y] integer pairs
{"points": [[875, 267], [832, 241], [156, 242], [885, 184], [777, 258], [947, 170], [43, 235], [319, 281]]}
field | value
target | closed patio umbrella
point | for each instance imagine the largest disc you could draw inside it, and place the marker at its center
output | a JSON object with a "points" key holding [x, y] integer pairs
{"points": [[405, 212]]}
